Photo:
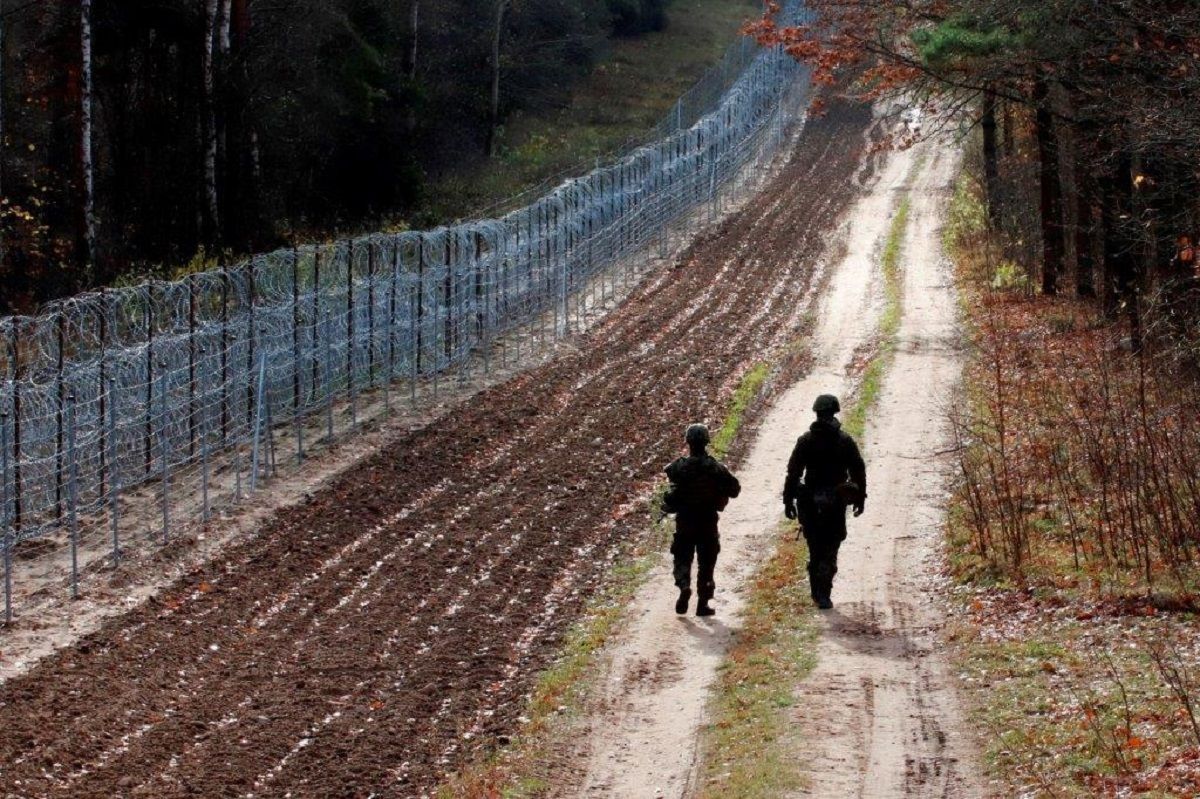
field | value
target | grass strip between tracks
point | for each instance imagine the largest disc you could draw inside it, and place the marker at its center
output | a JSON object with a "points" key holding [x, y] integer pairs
{"points": [[526, 766], [750, 751]]}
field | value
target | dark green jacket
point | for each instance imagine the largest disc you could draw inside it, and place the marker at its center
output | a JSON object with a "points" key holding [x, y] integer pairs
{"points": [[823, 458]]}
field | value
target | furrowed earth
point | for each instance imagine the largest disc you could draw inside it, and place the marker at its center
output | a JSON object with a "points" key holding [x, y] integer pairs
{"points": [[372, 640]]}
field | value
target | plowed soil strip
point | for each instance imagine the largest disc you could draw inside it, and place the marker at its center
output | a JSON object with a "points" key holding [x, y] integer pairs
{"points": [[367, 641]]}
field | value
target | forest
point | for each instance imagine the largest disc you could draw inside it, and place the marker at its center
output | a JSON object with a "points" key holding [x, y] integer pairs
{"points": [[1085, 114], [147, 135]]}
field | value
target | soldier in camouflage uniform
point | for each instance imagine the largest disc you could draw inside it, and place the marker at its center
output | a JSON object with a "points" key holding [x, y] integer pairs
{"points": [[825, 475], [700, 489]]}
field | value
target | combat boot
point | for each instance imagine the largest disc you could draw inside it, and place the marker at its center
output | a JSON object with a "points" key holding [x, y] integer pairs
{"points": [[681, 604], [822, 588], [702, 608]]}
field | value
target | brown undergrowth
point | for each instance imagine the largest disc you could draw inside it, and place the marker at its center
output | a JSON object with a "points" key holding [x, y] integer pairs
{"points": [[1073, 538]]}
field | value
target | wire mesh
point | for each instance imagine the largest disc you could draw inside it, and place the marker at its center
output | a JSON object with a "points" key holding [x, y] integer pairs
{"points": [[125, 408]]}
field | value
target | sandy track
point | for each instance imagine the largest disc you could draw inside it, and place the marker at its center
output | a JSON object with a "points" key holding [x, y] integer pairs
{"points": [[644, 735], [879, 711], [368, 641], [880, 708]]}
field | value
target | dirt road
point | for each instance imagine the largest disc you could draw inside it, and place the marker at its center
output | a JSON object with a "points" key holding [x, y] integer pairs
{"points": [[878, 712], [880, 706], [368, 641]]}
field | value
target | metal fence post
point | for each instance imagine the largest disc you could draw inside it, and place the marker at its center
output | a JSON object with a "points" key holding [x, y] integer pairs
{"points": [[258, 418], [327, 380], [164, 454], [414, 337], [391, 326], [72, 495], [101, 382], [191, 367], [299, 428], [148, 433], [370, 313], [316, 319], [14, 374], [59, 481], [351, 388], [114, 491], [204, 473], [252, 287], [6, 528]]}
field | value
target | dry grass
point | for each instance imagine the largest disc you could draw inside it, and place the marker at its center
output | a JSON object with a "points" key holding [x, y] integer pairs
{"points": [[750, 746], [1071, 542]]}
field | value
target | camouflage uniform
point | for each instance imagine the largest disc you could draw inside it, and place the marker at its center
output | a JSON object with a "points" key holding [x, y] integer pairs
{"points": [[825, 457], [700, 488]]}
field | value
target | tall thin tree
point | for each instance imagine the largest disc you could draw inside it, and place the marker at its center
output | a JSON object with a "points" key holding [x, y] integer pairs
{"points": [[87, 165], [212, 233], [2, 30], [494, 106], [1051, 188]]}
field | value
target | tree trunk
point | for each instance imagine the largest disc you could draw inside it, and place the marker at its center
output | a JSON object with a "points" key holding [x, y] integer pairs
{"points": [[226, 18], [238, 139], [1051, 190], [413, 23], [1085, 267], [212, 233], [414, 20], [87, 166], [991, 173], [1120, 260], [1009, 129], [2, 30], [494, 108]]}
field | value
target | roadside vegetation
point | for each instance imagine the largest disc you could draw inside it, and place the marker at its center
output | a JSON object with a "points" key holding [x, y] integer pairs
{"points": [[1071, 536], [750, 745], [871, 380]]}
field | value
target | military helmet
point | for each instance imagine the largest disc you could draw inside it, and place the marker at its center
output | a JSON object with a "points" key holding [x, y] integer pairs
{"points": [[827, 403], [697, 434]]}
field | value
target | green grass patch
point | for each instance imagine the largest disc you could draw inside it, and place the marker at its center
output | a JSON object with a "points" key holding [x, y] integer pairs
{"points": [[748, 389], [627, 93], [871, 384], [750, 752]]}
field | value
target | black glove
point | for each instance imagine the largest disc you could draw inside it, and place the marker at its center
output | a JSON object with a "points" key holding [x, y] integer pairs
{"points": [[860, 506], [789, 509]]}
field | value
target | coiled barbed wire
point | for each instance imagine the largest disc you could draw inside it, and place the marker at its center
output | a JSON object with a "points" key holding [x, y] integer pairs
{"points": [[119, 391]]}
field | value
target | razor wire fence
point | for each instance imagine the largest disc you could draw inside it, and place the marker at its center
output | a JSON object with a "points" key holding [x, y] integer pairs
{"points": [[125, 408]]}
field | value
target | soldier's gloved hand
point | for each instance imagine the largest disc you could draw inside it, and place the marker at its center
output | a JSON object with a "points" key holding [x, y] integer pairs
{"points": [[860, 506], [789, 509]]}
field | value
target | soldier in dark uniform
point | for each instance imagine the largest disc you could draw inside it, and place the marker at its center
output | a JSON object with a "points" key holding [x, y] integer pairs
{"points": [[825, 475], [700, 489]]}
